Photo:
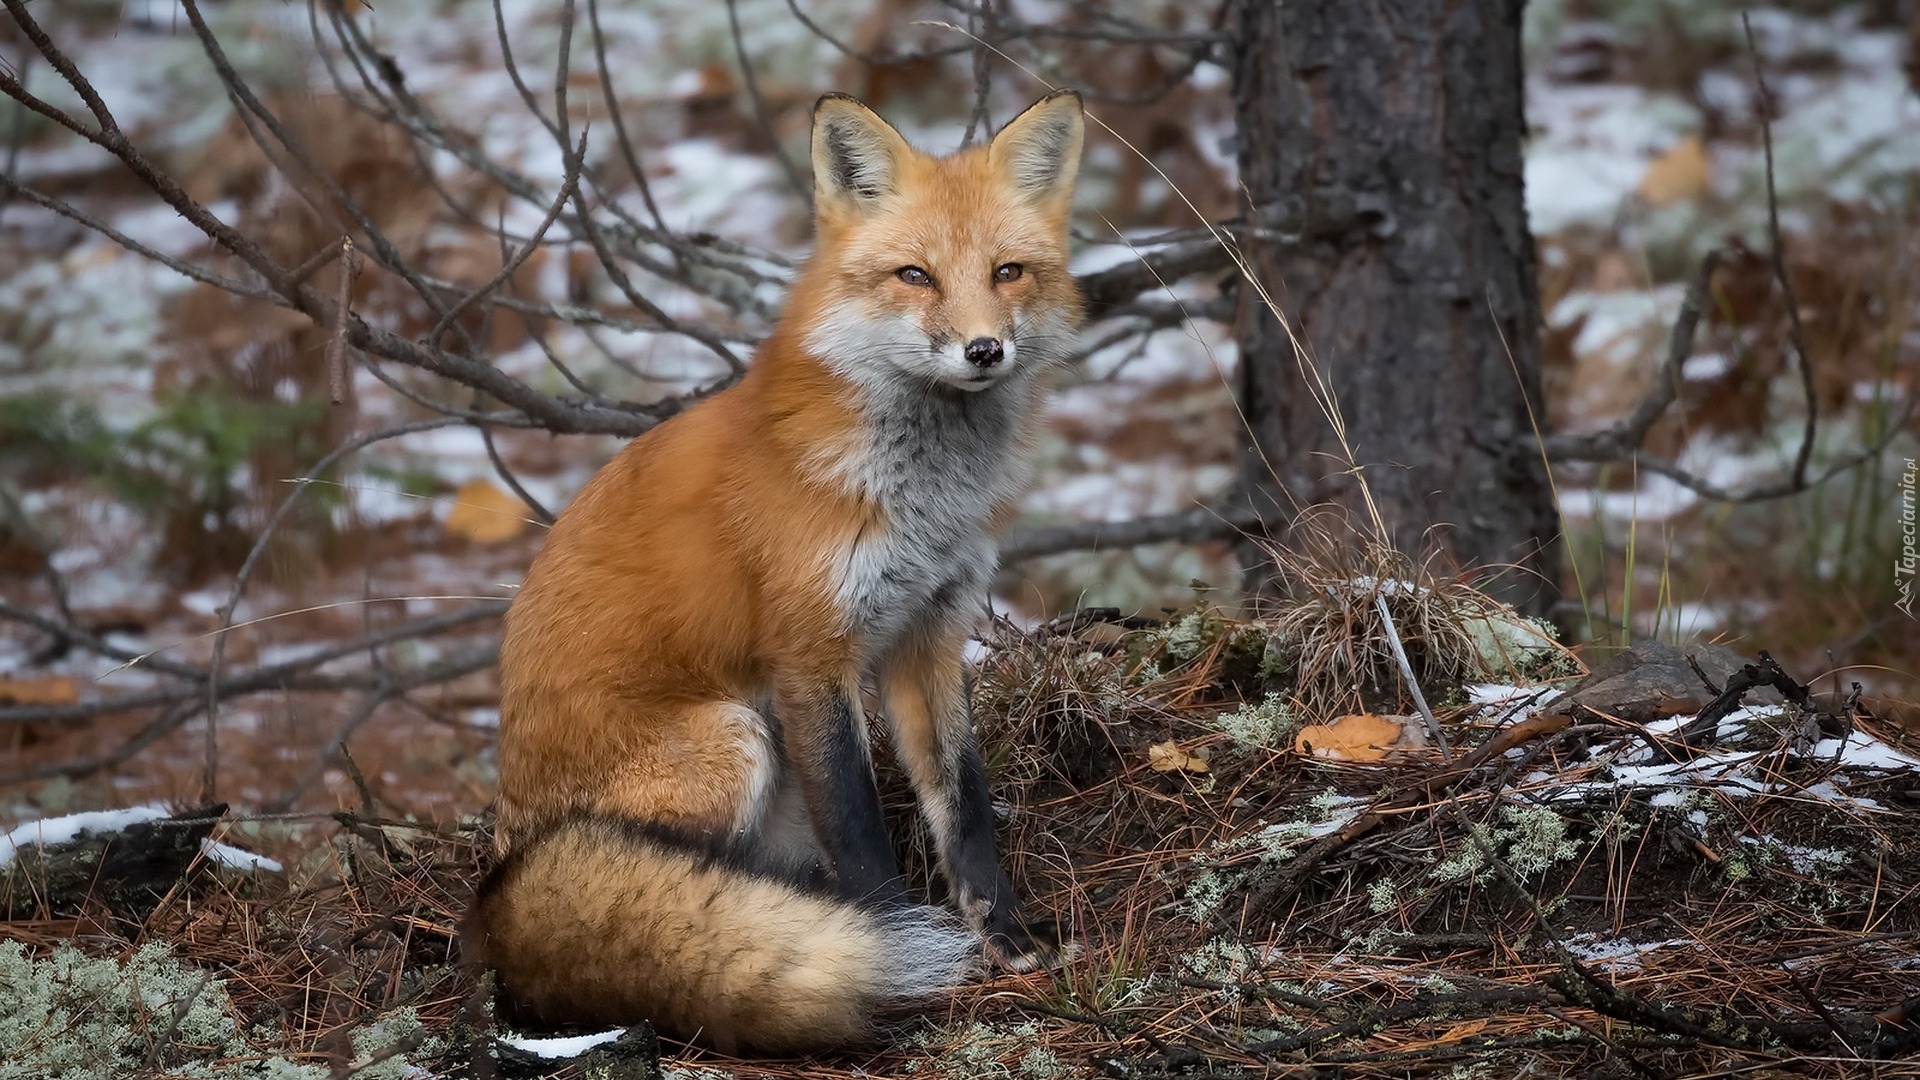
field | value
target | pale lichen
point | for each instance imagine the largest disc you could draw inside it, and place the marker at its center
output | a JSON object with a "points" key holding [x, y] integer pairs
{"points": [[70, 1016], [1268, 724], [982, 1050]]}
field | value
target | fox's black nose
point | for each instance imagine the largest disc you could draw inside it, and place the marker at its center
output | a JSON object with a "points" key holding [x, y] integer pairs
{"points": [[984, 352]]}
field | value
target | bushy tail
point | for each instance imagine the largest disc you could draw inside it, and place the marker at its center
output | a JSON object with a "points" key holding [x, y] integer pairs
{"points": [[599, 922]]}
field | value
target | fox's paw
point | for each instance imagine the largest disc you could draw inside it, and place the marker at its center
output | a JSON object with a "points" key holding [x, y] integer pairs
{"points": [[1031, 946]]}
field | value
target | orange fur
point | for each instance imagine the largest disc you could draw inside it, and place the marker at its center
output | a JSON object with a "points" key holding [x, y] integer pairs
{"points": [[687, 651]]}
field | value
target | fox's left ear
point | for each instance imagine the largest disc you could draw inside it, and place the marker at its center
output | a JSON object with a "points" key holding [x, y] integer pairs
{"points": [[1039, 150]]}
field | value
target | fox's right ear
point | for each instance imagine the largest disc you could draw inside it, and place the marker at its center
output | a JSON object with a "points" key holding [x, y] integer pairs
{"points": [[856, 155]]}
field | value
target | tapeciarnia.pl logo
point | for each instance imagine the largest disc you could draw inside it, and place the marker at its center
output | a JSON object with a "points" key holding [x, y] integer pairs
{"points": [[1904, 566]]}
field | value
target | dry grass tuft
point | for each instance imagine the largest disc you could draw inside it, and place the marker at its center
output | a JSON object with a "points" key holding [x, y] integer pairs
{"points": [[1331, 639], [1047, 703]]}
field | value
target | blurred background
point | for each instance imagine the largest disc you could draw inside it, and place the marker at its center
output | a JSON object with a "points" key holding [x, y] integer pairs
{"points": [[155, 428]]}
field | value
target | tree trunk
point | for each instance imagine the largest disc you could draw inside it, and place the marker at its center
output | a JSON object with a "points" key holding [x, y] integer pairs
{"points": [[1380, 148]]}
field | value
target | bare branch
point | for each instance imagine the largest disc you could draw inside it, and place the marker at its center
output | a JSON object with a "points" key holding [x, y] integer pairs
{"points": [[761, 115], [870, 59], [80, 217], [302, 674], [1187, 527], [1626, 437], [980, 21], [612, 99], [1105, 290], [179, 709], [568, 186]]}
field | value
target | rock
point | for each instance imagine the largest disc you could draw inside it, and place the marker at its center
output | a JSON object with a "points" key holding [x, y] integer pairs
{"points": [[1653, 679]]}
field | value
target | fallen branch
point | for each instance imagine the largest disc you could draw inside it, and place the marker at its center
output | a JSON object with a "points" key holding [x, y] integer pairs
{"points": [[1703, 729]]}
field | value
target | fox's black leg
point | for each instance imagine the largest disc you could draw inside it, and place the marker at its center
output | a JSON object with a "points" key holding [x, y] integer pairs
{"points": [[827, 745], [933, 730]]}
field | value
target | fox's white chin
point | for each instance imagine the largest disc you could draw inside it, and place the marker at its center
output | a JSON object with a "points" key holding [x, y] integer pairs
{"points": [[974, 382], [952, 367]]}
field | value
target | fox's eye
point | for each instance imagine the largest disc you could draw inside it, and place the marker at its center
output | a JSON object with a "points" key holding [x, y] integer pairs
{"points": [[1008, 272], [913, 275]]}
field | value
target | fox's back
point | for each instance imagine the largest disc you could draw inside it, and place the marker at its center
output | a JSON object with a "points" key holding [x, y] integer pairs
{"points": [[598, 593]]}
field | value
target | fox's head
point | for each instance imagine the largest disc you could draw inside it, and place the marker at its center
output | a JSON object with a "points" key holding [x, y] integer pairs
{"points": [[944, 270]]}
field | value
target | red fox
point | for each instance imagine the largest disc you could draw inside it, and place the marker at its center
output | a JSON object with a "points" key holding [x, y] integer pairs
{"points": [[690, 828]]}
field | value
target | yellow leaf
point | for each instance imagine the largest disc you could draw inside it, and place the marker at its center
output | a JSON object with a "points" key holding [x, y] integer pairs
{"points": [[1168, 757], [1681, 173], [484, 514], [1359, 737], [52, 690]]}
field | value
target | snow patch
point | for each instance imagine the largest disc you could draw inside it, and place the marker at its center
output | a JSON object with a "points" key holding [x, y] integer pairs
{"points": [[60, 830], [1500, 694], [1803, 859], [1863, 751], [1616, 954], [234, 858], [1706, 367], [567, 1047], [51, 832]]}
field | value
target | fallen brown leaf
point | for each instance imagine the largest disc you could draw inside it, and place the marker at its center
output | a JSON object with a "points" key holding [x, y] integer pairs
{"points": [[1169, 757], [1359, 737], [51, 690], [484, 514], [1682, 173]]}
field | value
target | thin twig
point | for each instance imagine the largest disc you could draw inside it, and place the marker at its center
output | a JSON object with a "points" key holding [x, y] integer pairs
{"points": [[1797, 332], [761, 115], [568, 186], [980, 21], [337, 340], [1625, 438]]}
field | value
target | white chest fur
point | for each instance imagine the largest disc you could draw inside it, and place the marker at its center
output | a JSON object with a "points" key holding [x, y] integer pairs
{"points": [[936, 463]]}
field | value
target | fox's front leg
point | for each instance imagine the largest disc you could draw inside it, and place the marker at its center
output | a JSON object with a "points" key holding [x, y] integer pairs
{"points": [[826, 742], [926, 700]]}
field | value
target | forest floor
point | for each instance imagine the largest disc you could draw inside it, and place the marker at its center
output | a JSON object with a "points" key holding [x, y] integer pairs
{"points": [[1647, 871]]}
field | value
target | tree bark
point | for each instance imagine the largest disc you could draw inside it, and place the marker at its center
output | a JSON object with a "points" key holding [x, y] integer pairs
{"points": [[1380, 151]]}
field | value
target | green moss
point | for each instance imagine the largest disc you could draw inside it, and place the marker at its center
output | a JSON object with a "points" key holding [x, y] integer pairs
{"points": [[1226, 873], [1535, 839], [1221, 960], [1242, 651], [1513, 646]]}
